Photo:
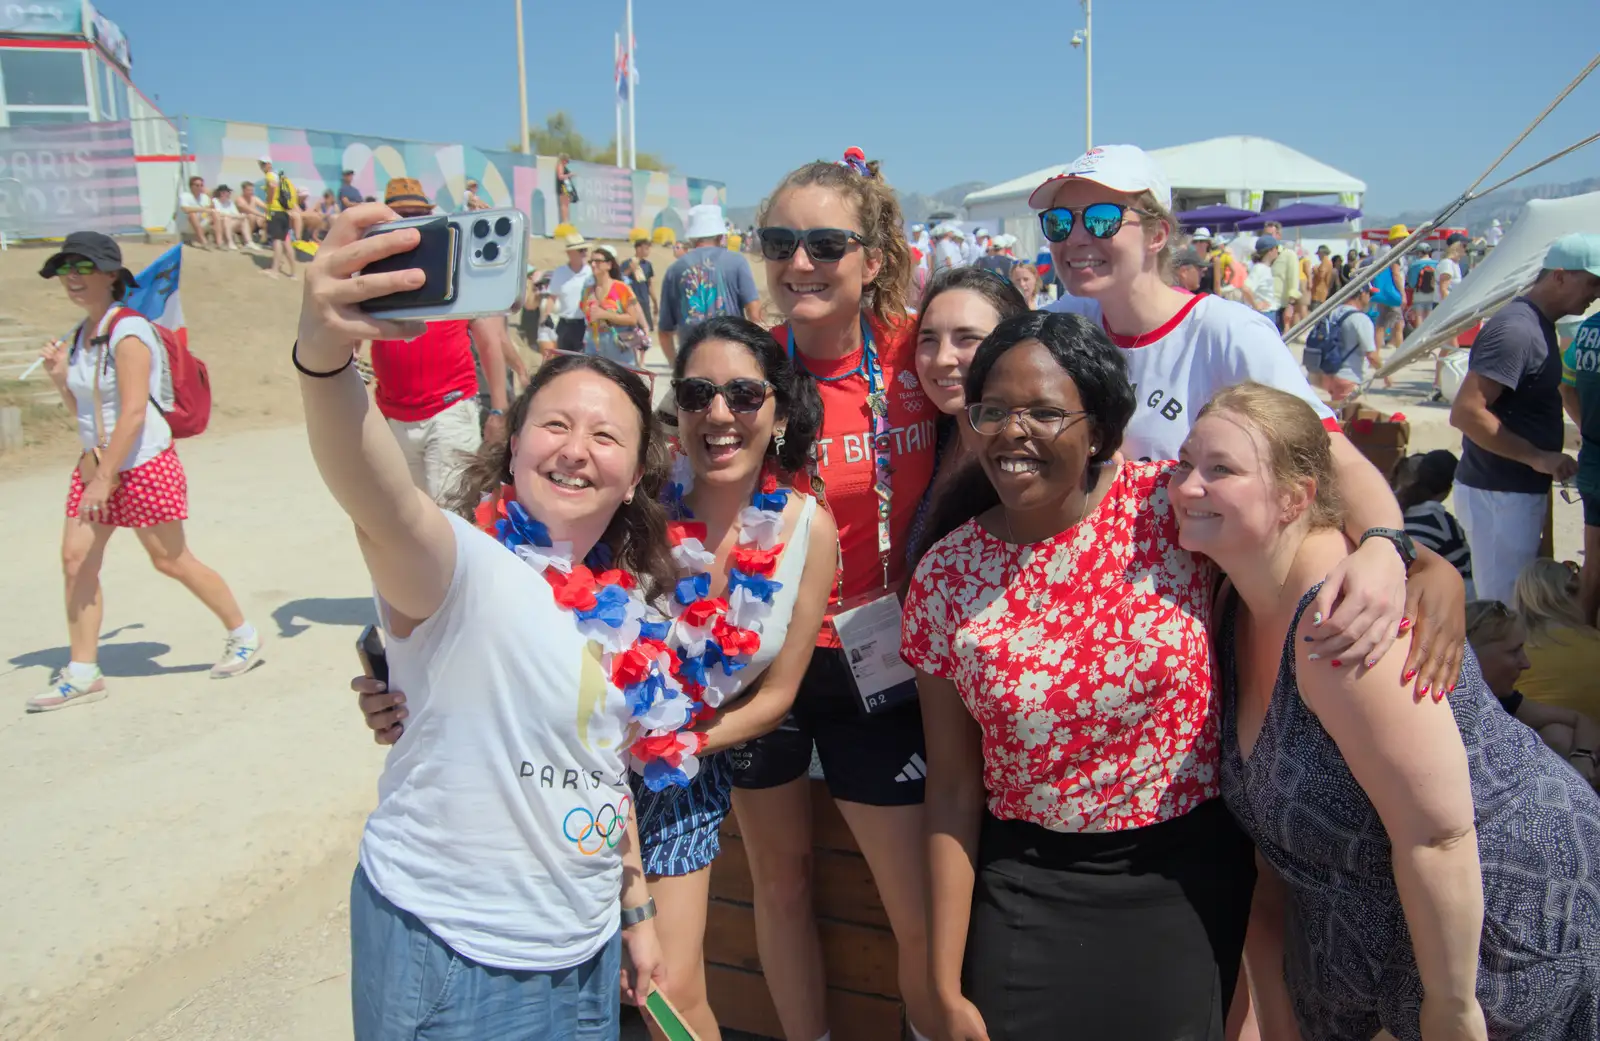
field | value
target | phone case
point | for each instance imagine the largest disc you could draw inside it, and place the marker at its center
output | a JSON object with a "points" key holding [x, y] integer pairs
{"points": [[490, 269], [374, 659], [435, 254]]}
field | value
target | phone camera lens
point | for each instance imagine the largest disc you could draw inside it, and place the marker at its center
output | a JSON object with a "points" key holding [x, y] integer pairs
{"points": [[502, 227], [490, 251], [481, 229]]}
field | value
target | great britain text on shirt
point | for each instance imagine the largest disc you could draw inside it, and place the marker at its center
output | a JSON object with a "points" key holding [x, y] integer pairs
{"points": [[857, 448]]}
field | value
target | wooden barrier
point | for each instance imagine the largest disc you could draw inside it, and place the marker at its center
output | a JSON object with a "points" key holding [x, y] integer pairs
{"points": [[857, 947]]}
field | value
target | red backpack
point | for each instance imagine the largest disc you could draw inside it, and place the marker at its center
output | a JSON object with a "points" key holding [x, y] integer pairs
{"points": [[185, 398]]}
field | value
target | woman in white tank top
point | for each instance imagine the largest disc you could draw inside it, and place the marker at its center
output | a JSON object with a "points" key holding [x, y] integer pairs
{"points": [[744, 417]]}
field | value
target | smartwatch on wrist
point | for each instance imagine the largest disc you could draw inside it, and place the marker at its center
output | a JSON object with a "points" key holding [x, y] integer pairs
{"points": [[632, 916], [1402, 543]]}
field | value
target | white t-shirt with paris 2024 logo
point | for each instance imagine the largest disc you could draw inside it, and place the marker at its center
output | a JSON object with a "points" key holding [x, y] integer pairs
{"points": [[1209, 345], [502, 806]]}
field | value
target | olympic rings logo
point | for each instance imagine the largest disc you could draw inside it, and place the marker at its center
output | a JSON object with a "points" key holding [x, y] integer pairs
{"points": [[593, 832]]}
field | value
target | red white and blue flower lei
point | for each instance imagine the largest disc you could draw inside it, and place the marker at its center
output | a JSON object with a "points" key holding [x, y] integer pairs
{"points": [[715, 637], [609, 611]]}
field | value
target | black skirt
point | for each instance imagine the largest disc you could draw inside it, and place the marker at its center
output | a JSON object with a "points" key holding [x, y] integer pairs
{"points": [[1134, 935]]}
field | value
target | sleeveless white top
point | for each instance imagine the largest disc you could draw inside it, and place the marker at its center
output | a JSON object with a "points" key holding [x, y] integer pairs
{"points": [[501, 807], [776, 627]]}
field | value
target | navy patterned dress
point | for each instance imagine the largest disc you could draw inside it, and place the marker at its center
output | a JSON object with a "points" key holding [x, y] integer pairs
{"points": [[1347, 953]]}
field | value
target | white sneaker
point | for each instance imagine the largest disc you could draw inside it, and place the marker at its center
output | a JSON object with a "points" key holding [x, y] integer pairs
{"points": [[239, 656], [63, 692]]}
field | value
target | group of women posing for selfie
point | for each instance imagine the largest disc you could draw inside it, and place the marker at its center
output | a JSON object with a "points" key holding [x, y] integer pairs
{"points": [[1138, 775]]}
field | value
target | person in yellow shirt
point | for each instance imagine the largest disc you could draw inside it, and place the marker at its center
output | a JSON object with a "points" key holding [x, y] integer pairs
{"points": [[1564, 652], [282, 205]]}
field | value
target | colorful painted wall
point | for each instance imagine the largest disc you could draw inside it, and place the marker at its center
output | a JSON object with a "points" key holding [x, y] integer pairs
{"points": [[611, 201]]}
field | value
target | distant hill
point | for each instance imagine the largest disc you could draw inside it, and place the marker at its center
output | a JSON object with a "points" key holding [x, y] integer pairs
{"points": [[916, 205], [1504, 204]]}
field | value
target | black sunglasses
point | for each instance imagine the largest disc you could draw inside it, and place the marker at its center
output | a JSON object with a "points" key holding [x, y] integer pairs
{"points": [[823, 245], [1100, 219], [696, 394]]}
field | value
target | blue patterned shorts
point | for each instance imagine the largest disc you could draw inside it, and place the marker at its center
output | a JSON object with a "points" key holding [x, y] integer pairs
{"points": [[678, 827]]}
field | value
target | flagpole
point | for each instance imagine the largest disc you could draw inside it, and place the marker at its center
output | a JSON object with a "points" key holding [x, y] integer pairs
{"points": [[633, 89], [522, 79], [618, 72]]}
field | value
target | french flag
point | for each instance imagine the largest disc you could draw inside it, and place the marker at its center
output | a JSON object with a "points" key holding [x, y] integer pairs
{"points": [[157, 295]]}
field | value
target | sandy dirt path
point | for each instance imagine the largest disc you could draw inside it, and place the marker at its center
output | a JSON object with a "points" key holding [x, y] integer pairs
{"points": [[150, 823]]}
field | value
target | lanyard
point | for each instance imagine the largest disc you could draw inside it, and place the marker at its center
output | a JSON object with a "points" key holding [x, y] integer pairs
{"points": [[882, 472]]}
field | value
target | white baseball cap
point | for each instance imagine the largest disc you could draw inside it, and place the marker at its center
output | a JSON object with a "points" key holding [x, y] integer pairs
{"points": [[705, 222], [1122, 168], [1201, 233]]}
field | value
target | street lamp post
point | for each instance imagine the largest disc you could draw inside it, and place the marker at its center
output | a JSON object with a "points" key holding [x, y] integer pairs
{"points": [[1085, 38], [522, 79]]}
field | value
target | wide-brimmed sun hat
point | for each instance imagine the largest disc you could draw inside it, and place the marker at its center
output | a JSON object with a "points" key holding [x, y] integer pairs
{"points": [[406, 193]]}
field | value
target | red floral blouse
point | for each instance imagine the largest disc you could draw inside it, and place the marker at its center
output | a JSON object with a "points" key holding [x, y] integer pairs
{"points": [[1084, 659]]}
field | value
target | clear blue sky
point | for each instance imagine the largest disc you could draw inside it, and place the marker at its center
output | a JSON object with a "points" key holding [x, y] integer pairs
{"points": [[1415, 100]]}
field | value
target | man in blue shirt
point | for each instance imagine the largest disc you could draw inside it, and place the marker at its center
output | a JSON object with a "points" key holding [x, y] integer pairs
{"points": [[349, 194], [707, 281], [1509, 413]]}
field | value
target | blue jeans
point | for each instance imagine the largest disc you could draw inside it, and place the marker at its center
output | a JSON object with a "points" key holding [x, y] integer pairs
{"points": [[407, 985]]}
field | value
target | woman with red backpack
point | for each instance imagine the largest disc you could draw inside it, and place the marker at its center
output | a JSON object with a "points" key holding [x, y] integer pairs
{"points": [[128, 475]]}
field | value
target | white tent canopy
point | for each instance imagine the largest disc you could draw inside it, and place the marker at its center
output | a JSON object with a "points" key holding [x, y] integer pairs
{"points": [[1244, 171], [1509, 269]]}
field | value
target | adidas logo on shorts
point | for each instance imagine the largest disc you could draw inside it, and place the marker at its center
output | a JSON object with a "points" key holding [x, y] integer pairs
{"points": [[915, 770]]}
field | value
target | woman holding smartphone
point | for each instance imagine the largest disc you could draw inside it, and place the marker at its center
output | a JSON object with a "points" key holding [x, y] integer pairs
{"points": [[500, 892], [745, 419]]}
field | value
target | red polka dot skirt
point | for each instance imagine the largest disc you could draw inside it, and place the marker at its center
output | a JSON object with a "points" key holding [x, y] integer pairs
{"points": [[151, 493]]}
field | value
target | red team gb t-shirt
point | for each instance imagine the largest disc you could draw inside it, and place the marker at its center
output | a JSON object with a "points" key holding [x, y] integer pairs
{"points": [[844, 458]]}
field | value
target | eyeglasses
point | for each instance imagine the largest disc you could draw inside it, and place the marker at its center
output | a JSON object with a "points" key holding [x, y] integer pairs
{"points": [[823, 245], [696, 394], [1100, 219], [76, 267], [1569, 494], [1037, 421]]}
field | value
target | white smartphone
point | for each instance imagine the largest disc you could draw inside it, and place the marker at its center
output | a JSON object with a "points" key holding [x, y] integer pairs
{"points": [[475, 265]]}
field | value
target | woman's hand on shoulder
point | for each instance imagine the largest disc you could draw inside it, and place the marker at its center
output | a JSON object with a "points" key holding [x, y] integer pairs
{"points": [[1436, 601], [331, 320], [1356, 616], [384, 710]]}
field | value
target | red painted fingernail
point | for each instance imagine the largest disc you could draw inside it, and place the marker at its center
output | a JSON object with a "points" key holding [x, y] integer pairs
{"points": [[1424, 690], [1334, 663], [1410, 675], [1439, 694], [1405, 623]]}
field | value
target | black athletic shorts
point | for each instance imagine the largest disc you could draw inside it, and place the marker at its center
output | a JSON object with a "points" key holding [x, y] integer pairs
{"points": [[874, 760], [1591, 510], [278, 226]]}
